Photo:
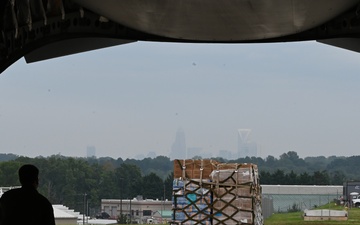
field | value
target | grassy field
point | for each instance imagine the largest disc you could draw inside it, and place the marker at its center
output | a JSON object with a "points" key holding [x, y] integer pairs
{"points": [[296, 218]]}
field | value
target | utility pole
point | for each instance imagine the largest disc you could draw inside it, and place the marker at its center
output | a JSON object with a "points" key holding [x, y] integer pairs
{"points": [[130, 213], [84, 209], [121, 187]]}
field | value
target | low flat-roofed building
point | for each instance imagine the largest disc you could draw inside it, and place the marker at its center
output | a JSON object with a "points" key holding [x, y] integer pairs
{"points": [[302, 189], [99, 222], [136, 209], [64, 215]]}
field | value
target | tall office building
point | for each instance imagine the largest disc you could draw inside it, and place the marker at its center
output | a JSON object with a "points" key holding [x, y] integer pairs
{"points": [[178, 148], [245, 146], [90, 151]]}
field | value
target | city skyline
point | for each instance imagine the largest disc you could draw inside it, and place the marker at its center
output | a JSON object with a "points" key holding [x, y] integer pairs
{"points": [[180, 150], [131, 99]]}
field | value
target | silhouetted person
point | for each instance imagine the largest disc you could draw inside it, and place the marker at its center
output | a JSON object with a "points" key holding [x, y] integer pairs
{"points": [[25, 205]]}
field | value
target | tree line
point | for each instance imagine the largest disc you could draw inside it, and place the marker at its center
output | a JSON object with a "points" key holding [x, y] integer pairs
{"points": [[65, 180], [291, 178]]}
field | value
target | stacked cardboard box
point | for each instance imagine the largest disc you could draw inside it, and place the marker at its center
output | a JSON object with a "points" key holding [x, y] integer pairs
{"points": [[216, 193]]}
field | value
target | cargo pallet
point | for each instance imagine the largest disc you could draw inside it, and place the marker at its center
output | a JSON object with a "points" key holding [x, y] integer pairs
{"points": [[211, 193]]}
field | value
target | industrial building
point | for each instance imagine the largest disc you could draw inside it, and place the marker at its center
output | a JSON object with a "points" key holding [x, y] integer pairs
{"points": [[137, 209], [349, 187]]}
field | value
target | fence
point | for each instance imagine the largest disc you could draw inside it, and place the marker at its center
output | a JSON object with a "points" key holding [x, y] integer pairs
{"points": [[275, 203]]}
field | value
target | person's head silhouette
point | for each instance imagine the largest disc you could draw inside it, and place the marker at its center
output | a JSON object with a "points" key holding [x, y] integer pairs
{"points": [[29, 175], [26, 201]]}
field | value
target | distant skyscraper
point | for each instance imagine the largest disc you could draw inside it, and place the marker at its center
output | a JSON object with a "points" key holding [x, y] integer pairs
{"points": [[178, 148], [90, 151], [245, 146]]}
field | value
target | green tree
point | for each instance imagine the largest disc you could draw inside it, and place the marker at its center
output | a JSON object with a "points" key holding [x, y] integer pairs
{"points": [[321, 178], [129, 180], [278, 177], [9, 173], [265, 177], [152, 186], [305, 179], [291, 178], [337, 177], [168, 183]]}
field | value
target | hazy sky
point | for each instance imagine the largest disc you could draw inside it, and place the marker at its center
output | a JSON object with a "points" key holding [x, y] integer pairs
{"points": [[131, 99]]}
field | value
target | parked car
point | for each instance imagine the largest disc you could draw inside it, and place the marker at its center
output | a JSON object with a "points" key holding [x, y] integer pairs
{"points": [[102, 215]]}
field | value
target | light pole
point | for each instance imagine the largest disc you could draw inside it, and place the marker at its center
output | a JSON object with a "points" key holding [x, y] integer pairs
{"points": [[84, 209], [164, 197], [121, 187], [130, 212]]}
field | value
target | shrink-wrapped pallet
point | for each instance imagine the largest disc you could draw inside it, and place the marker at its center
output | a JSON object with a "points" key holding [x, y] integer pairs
{"points": [[191, 202]]}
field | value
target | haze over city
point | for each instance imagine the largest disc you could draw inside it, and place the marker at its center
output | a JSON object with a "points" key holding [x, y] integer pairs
{"points": [[132, 99]]}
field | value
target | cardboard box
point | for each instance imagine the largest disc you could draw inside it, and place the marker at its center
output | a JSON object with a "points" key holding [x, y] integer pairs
{"points": [[229, 217], [235, 174], [236, 203], [226, 192], [193, 168]]}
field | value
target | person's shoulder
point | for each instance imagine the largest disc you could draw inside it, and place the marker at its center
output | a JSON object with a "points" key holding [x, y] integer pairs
{"points": [[43, 198], [45, 204], [11, 192]]}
